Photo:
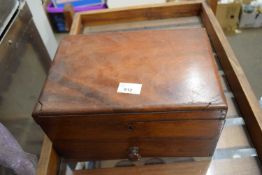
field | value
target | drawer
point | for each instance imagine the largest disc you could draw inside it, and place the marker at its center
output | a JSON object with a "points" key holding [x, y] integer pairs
{"points": [[84, 150], [114, 131]]}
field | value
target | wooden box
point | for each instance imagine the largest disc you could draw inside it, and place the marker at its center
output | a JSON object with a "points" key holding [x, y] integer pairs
{"points": [[179, 111]]}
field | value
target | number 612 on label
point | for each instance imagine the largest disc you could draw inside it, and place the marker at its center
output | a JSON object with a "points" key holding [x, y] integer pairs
{"points": [[129, 88]]}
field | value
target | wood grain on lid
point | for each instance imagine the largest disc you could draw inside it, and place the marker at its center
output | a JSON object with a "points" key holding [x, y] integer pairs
{"points": [[175, 67]]}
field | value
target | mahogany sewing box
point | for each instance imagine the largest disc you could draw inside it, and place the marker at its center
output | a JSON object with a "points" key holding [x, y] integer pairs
{"points": [[133, 94]]}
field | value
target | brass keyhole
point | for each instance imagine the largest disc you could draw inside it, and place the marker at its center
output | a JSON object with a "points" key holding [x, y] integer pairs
{"points": [[130, 127]]}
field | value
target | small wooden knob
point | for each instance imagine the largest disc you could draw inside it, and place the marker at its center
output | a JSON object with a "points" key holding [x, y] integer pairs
{"points": [[133, 154]]}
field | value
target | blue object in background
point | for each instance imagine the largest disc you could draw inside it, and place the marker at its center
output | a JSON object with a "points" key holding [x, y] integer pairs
{"points": [[57, 18], [76, 3], [58, 22]]}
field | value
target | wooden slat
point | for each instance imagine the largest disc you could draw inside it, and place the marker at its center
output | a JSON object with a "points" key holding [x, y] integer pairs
{"points": [[189, 168], [148, 161], [76, 27], [234, 137], [49, 160], [242, 166], [68, 15], [141, 13], [213, 5], [224, 83], [237, 80], [232, 109], [182, 22]]}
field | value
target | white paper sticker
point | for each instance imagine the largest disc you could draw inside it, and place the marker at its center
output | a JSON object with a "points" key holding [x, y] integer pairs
{"points": [[129, 88]]}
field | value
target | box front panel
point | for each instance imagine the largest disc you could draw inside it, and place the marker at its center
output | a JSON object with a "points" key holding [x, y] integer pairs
{"points": [[108, 137], [146, 148]]}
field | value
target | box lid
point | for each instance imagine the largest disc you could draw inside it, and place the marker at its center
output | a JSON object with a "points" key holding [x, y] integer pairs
{"points": [[176, 69]]}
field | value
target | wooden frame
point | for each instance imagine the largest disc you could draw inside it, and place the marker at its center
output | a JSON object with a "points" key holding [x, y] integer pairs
{"points": [[49, 160], [238, 82]]}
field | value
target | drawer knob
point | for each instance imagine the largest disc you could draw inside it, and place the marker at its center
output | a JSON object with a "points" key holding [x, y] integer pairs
{"points": [[133, 154]]}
